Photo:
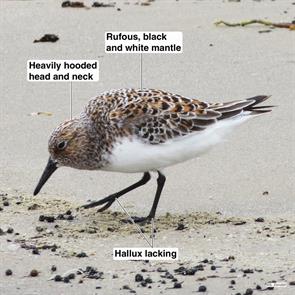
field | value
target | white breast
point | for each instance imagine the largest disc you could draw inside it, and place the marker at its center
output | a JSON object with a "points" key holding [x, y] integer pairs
{"points": [[133, 155]]}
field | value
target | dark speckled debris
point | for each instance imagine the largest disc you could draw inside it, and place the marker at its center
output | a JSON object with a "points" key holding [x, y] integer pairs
{"points": [[101, 4], [47, 38], [73, 4], [81, 255]]}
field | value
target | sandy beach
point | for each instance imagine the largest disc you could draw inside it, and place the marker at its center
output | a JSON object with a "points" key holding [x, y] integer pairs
{"points": [[230, 212]]}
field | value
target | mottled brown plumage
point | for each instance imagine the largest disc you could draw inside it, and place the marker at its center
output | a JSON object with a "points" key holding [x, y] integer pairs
{"points": [[131, 130]]}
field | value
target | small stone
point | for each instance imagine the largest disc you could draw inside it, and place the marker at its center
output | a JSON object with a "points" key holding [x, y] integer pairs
{"points": [[213, 267], [70, 217], [292, 283], [233, 282], [53, 268], [50, 219], [34, 273], [47, 38], [35, 251], [180, 226], [41, 218], [177, 285], [249, 291], [248, 270], [66, 280], [58, 278], [8, 272], [5, 203], [202, 288], [148, 280], [39, 229], [81, 255], [10, 230], [115, 276], [98, 287], [138, 277], [71, 276], [143, 283], [69, 212], [259, 219]]}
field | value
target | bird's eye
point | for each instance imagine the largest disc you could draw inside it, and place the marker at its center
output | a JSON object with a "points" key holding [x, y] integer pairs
{"points": [[61, 145]]}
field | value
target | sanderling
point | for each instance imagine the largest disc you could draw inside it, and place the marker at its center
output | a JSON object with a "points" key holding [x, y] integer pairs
{"points": [[130, 130]]}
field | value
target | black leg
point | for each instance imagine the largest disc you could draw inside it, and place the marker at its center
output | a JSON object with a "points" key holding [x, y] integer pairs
{"points": [[111, 199], [161, 182]]}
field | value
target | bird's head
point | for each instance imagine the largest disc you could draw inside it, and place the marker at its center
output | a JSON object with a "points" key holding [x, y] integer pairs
{"points": [[71, 144]]}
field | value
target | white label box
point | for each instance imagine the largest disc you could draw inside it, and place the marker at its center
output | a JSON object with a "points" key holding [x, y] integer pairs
{"points": [[145, 253], [143, 42], [62, 70]]}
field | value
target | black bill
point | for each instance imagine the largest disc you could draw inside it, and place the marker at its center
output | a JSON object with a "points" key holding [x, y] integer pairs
{"points": [[49, 169]]}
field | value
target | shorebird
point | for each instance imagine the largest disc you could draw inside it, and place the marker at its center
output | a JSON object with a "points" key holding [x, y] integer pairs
{"points": [[141, 131]]}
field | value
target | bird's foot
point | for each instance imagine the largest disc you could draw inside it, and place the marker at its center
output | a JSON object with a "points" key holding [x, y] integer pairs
{"points": [[108, 200]]}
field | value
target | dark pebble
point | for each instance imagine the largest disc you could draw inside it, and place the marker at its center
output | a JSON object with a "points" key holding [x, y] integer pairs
{"points": [[66, 280], [50, 219], [259, 219], [41, 218], [35, 251], [148, 280], [213, 267], [138, 277], [177, 285], [71, 276], [249, 291], [1, 209], [180, 226], [292, 283], [202, 288], [248, 270], [8, 272], [47, 38], [233, 282], [34, 273], [10, 230], [53, 268], [58, 278], [98, 287], [81, 255], [143, 283], [258, 287], [126, 287], [5, 203]]}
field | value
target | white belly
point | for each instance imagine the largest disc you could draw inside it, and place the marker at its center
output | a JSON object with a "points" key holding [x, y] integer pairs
{"points": [[132, 155]]}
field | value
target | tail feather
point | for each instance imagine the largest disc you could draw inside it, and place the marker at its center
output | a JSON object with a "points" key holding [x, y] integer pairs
{"points": [[254, 109], [251, 105]]}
